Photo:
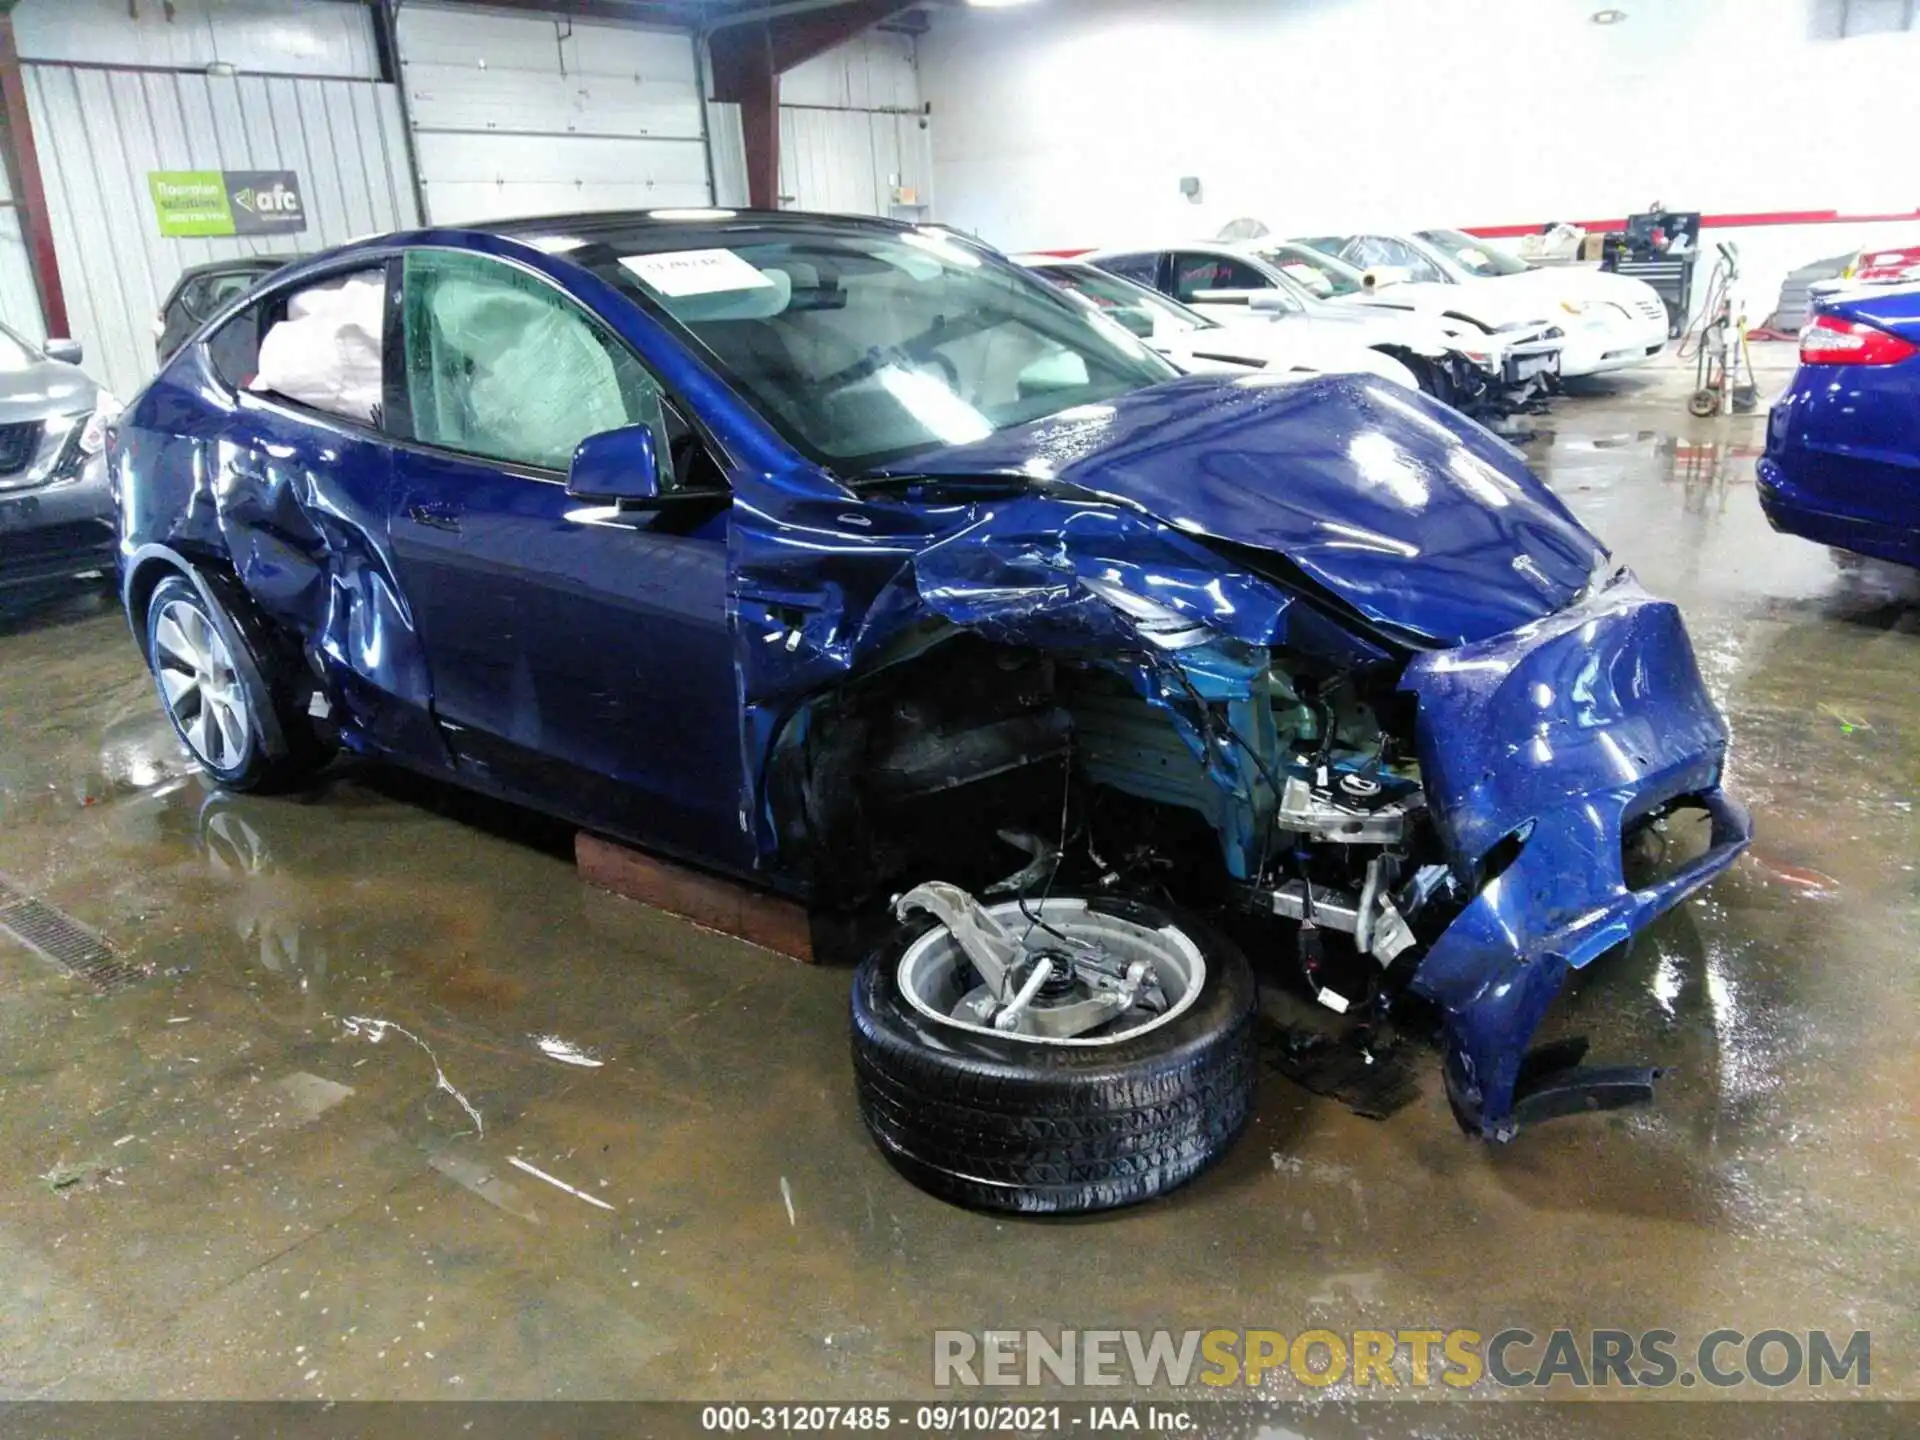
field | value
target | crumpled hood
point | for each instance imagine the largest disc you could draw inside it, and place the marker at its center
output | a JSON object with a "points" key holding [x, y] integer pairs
{"points": [[1404, 509]]}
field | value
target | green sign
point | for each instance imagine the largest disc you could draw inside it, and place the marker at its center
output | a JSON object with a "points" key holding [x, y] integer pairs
{"points": [[227, 202], [191, 202]]}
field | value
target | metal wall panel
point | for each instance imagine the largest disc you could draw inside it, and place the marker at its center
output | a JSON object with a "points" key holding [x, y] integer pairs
{"points": [[100, 131], [515, 115], [19, 300], [288, 37], [874, 71], [853, 138]]}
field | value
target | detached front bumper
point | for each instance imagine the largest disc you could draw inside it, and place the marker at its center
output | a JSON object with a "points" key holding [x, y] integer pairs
{"points": [[1541, 750]]}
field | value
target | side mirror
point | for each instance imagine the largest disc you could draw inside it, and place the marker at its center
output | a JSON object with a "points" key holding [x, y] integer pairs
{"points": [[1268, 302], [68, 352], [616, 467]]}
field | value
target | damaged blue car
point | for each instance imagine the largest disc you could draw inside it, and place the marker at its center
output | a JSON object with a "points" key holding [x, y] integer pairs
{"points": [[847, 559]]}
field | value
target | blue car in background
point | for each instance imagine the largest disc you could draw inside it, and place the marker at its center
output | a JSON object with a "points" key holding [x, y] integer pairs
{"points": [[1842, 460], [847, 559]]}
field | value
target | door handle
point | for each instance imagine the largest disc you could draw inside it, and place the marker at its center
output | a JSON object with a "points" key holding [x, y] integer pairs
{"points": [[435, 517]]}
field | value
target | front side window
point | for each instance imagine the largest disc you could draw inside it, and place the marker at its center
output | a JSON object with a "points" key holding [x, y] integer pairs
{"points": [[501, 365], [1198, 278], [866, 345]]}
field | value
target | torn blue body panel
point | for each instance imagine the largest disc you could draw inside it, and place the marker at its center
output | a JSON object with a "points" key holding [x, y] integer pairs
{"points": [[1545, 703], [1419, 520], [1561, 734], [301, 518]]}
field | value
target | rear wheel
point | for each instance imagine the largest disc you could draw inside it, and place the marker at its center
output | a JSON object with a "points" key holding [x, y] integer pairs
{"points": [[1063, 1122], [195, 650]]}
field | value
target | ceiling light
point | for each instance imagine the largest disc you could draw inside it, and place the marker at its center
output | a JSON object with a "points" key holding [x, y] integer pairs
{"points": [[995, 4], [1607, 17]]}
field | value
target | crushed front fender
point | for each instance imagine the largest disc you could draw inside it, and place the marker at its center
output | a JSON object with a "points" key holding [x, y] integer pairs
{"points": [[1539, 750]]}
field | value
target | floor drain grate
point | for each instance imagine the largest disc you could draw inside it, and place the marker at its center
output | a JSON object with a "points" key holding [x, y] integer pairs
{"points": [[60, 938]]}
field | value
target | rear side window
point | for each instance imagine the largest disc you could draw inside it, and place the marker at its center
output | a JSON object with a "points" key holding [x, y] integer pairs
{"points": [[234, 349], [501, 365], [323, 347]]}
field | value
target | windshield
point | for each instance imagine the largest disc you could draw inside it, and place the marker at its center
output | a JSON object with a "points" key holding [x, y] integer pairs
{"points": [[1322, 275], [15, 353], [1143, 312], [864, 345], [1476, 257]]}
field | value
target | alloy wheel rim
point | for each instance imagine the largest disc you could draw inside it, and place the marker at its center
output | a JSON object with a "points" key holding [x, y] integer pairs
{"points": [[202, 689], [940, 983]]}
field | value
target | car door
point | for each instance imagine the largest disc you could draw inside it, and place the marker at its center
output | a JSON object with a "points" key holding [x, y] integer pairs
{"points": [[296, 492], [579, 653]]}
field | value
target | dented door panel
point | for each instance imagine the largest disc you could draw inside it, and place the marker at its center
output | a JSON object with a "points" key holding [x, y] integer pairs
{"points": [[296, 503]]}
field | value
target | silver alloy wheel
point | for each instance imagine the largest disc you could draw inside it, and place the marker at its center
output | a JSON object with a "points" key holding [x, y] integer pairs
{"points": [[940, 982], [204, 693]]}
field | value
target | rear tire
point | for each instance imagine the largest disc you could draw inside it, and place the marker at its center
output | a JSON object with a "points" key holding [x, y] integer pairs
{"points": [[1004, 1123], [215, 702]]}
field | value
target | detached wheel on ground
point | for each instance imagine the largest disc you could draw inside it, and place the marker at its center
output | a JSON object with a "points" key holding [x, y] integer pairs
{"points": [[194, 650], [1124, 1070]]}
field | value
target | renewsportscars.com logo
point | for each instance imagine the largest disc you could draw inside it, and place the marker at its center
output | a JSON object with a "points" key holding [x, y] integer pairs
{"points": [[1400, 1359]]}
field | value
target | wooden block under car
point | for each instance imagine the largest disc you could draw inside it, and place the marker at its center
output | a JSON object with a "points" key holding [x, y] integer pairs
{"points": [[733, 909]]}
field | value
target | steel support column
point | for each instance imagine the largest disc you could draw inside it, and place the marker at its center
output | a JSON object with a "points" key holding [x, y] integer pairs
{"points": [[748, 57], [23, 178]]}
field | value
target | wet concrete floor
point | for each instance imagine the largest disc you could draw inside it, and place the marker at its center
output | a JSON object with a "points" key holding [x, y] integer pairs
{"points": [[259, 1172]]}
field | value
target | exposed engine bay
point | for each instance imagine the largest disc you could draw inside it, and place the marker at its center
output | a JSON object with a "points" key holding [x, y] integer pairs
{"points": [[1301, 802], [1259, 787]]}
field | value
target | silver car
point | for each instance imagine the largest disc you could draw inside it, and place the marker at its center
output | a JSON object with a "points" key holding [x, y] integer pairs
{"points": [[56, 511]]}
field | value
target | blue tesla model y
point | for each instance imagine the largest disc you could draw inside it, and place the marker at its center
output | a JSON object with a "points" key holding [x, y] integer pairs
{"points": [[829, 553]]}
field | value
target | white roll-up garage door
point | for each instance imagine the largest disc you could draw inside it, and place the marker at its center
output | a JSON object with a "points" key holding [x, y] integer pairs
{"points": [[518, 115]]}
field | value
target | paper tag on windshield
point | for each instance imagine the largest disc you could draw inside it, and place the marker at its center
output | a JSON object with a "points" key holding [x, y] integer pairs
{"points": [[694, 272]]}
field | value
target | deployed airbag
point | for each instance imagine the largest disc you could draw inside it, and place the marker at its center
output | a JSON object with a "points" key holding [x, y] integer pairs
{"points": [[516, 375], [326, 353]]}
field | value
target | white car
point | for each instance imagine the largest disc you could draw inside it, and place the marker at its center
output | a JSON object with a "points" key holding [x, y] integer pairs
{"points": [[1611, 321], [1199, 345], [1478, 366]]}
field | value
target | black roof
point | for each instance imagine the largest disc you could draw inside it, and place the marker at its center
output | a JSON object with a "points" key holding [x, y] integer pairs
{"points": [[588, 222]]}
